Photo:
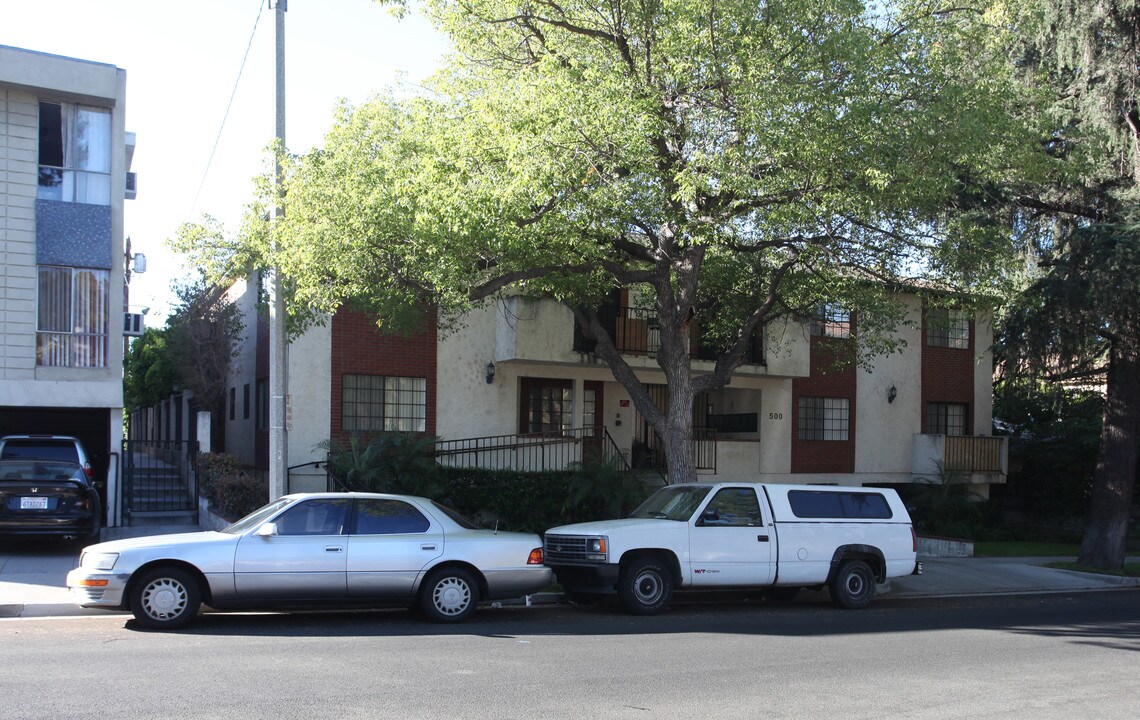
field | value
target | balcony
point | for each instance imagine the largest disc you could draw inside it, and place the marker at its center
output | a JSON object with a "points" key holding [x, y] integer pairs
{"points": [[635, 332], [981, 459]]}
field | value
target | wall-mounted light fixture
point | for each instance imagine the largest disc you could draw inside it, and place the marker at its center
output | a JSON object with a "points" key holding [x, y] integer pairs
{"points": [[490, 373], [892, 394]]}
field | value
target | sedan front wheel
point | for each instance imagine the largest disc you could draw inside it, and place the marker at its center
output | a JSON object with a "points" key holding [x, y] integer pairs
{"points": [[165, 598]]}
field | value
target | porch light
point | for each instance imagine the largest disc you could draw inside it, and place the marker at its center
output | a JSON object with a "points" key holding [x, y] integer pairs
{"points": [[490, 373], [892, 394]]}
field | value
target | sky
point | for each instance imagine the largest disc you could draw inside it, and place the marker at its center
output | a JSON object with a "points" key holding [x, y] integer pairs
{"points": [[182, 62]]}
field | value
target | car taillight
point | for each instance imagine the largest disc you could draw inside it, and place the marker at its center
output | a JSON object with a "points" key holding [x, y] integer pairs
{"points": [[88, 471], [913, 539], [535, 557]]}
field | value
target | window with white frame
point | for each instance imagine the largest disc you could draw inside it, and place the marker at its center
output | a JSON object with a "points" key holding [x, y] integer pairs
{"points": [[379, 403], [949, 328], [72, 317], [946, 419], [824, 418], [75, 153], [831, 320]]}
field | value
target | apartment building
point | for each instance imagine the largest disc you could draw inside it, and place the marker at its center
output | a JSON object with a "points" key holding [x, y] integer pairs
{"points": [[65, 157]]}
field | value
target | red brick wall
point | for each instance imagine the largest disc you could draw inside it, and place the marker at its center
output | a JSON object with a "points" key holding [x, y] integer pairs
{"points": [[948, 375], [824, 456], [360, 348]]}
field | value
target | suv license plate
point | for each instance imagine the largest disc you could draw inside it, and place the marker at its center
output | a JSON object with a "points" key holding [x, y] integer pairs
{"points": [[33, 503]]}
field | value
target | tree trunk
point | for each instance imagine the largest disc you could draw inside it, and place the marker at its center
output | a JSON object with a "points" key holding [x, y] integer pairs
{"points": [[1106, 531]]}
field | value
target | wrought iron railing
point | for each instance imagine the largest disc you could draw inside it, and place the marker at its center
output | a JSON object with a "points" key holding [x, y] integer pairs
{"points": [[531, 451]]}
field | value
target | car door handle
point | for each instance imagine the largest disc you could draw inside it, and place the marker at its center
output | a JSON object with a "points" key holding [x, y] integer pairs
{"points": [[427, 546], [333, 548], [761, 538]]}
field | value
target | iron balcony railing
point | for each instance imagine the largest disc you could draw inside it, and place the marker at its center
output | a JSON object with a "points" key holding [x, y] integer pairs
{"points": [[531, 451]]}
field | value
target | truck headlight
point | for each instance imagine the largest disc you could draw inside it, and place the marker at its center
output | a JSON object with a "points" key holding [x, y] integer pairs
{"points": [[98, 561], [596, 548]]}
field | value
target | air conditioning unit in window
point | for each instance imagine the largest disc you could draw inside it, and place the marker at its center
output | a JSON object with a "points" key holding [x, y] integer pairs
{"points": [[133, 324], [132, 185]]}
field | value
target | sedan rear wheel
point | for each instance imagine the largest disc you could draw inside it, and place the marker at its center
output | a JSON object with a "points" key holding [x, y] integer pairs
{"points": [[449, 595], [165, 598]]}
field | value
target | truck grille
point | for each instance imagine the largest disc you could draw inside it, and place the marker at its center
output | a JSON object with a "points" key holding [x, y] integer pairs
{"points": [[564, 547]]}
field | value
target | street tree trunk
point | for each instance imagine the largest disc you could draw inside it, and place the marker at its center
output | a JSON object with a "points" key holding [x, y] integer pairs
{"points": [[1106, 531]]}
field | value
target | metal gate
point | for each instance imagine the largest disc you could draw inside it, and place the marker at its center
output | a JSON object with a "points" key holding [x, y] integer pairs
{"points": [[159, 482]]}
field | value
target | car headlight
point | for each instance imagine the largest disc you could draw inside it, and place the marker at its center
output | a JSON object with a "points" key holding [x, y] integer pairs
{"points": [[98, 561], [596, 548]]}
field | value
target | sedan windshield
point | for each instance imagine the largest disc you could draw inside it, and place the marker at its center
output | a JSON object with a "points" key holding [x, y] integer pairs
{"points": [[672, 503], [257, 516]]}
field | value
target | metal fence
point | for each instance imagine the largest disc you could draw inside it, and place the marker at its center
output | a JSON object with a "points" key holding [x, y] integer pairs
{"points": [[159, 477]]}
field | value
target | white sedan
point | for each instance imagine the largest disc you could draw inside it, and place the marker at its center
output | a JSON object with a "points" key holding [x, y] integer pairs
{"points": [[315, 550]]}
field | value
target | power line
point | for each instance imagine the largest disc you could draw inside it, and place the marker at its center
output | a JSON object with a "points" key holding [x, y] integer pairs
{"points": [[233, 93]]}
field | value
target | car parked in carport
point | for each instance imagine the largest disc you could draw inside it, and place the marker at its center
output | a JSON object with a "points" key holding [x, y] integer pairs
{"points": [[47, 488], [315, 550]]}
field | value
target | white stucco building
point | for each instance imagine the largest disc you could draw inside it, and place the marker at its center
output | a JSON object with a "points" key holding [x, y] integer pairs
{"points": [[515, 387]]}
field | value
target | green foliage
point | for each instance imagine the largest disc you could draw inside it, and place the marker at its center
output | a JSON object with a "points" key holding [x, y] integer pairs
{"points": [[603, 490], [947, 506], [388, 462], [734, 163], [227, 487], [538, 501], [149, 371], [1054, 433]]}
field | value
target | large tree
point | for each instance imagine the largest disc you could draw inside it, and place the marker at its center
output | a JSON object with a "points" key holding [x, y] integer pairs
{"points": [[1081, 319], [729, 161]]}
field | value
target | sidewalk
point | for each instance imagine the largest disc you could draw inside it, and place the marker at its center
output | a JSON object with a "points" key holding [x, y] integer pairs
{"points": [[32, 580]]}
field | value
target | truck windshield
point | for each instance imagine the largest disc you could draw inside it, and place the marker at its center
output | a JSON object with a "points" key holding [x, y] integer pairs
{"points": [[672, 503]]}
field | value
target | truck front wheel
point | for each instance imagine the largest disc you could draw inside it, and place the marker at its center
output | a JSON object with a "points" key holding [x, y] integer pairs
{"points": [[853, 585], [645, 586]]}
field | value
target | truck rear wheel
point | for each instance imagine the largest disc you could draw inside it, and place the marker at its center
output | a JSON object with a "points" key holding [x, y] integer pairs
{"points": [[853, 586], [645, 586]]}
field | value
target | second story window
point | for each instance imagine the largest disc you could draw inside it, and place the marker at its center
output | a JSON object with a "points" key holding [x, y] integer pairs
{"points": [[75, 153], [947, 418], [72, 317], [831, 320], [947, 328]]}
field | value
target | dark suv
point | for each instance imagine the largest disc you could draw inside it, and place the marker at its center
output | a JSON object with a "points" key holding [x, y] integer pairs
{"points": [[47, 488]]}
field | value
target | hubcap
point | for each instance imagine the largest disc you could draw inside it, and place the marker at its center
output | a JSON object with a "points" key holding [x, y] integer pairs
{"points": [[855, 584], [452, 596], [648, 587], [164, 599]]}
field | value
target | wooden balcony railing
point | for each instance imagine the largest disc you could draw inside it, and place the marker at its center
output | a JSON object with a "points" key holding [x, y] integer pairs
{"points": [[967, 453]]}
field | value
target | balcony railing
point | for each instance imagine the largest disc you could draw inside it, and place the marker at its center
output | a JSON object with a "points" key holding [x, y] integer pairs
{"points": [[530, 451], [939, 455], [966, 453], [635, 331]]}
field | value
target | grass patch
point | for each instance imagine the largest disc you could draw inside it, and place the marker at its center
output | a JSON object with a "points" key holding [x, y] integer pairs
{"points": [[1020, 548], [1130, 569]]}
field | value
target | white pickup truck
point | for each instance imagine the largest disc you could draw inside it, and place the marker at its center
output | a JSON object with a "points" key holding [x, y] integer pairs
{"points": [[739, 535]]}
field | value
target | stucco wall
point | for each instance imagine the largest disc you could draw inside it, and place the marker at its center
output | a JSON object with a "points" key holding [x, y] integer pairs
{"points": [[883, 443]]}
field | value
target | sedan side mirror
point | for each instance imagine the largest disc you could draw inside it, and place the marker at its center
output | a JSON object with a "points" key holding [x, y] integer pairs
{"points": [[267, 530]]}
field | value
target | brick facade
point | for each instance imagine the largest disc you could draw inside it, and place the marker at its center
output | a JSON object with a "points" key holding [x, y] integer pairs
{"points": [[947, 375], [361, 348], [825, 381]]}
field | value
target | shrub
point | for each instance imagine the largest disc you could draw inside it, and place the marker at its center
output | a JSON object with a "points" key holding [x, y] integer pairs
{"points": [[389, 462], [227, 487]]}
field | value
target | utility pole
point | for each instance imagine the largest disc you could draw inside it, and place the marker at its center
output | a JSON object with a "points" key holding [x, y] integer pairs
{"points": [[278, 346]]}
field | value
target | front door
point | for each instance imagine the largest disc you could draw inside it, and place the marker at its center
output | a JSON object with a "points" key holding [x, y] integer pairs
{"points": [[305, 560], [730, 541]]}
